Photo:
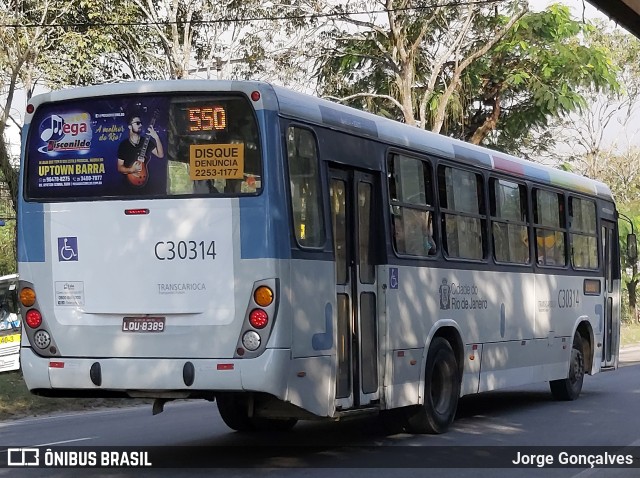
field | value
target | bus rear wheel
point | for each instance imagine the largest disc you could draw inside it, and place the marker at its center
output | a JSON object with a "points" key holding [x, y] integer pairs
{"points": [[234, 410], [441, 391], [569, 388]]}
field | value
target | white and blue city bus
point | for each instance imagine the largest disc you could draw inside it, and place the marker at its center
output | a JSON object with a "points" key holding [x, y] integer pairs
{"points": [[292, 258]]}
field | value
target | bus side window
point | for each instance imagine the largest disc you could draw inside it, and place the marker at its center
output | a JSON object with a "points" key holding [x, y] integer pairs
{"points": [[411, 195], [304, 183], [509, 223], [583, 233], [549, 224], [463, 212]]}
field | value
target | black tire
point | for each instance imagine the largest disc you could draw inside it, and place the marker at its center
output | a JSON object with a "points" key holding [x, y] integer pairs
{"points": [[274, 424], [441, 391], [569, 388], [234, 410]]}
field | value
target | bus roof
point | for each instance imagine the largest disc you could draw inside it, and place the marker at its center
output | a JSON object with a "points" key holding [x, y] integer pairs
{"points": [[333, 115]]}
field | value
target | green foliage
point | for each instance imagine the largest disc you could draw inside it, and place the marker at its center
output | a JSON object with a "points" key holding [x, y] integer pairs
{"points": [[535, 73], [629, 221], [8, 248]]}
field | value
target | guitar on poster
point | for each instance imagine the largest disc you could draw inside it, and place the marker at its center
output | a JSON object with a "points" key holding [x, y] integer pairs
{"points": [[135, 151]]}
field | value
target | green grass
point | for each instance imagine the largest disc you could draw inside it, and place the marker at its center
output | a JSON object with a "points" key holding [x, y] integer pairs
{"points": [[17, 402], [630, 334]]}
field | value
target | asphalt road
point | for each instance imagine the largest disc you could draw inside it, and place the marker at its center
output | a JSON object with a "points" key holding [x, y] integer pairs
{"points": [[493, 427]]}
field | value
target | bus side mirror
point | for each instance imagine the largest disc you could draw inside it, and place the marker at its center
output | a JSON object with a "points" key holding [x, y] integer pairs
{"points": [[632, 248]]}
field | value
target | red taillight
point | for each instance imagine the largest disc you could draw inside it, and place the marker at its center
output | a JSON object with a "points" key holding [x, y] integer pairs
{"points": [[33, 318], [136, 212], [255, 95], [258, 318], [30, 108]]}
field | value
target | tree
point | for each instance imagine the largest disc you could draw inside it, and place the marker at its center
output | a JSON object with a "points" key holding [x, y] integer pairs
{"points": [[591, 135], [21, 45], [229, 39], [408, 62], [535, 73], [483, 74], [629, 221]]}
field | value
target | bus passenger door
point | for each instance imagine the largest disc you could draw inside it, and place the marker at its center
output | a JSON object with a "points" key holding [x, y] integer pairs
{"points": [[352, 212], [611, 312]]}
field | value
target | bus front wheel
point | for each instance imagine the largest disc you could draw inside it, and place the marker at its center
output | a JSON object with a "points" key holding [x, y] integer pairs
{"points": [[441, 391], [569, 388]]}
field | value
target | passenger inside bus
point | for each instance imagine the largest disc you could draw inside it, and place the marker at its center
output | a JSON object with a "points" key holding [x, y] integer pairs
{"points": [[413, 232], [550, 247]]}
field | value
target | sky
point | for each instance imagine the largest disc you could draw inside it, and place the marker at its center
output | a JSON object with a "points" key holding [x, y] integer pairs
{"points": [[579, 7], [617, 136]]}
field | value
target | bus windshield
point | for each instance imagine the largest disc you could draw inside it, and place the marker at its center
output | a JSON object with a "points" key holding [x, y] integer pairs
{"points": [[143, 146]]}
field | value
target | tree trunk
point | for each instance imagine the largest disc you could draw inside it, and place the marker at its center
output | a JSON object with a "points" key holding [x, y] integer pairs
{"points": [[489, 124], [632, 287]]}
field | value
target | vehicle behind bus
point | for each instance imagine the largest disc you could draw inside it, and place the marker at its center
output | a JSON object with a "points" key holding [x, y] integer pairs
{"points": [[10, 324]]}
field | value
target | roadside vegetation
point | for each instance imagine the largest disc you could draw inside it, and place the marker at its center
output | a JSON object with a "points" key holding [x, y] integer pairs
{"points": [[630, 334], [17, 402]]}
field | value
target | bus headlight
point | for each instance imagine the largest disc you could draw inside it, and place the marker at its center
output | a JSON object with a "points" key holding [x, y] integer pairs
{"points": [[251, 340]]}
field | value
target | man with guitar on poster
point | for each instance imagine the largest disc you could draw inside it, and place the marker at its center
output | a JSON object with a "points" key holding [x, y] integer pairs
{"points": [[133, 152]]}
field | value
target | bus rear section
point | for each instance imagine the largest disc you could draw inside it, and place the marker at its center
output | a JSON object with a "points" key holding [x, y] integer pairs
{"points": [[291, 258], [144, 260]]}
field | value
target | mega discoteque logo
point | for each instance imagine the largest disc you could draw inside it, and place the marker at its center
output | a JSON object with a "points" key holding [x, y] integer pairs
{"points": [[68, 132]]}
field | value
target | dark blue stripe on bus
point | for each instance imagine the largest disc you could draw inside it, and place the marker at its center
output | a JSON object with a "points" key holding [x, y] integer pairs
{"points": [[30, 224], [264, 224], [31, 232]]}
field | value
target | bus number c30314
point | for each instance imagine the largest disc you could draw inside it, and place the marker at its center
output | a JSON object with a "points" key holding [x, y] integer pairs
{"points": [[185, 250]]}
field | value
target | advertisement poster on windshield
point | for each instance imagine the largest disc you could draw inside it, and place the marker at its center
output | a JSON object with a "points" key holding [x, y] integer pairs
{"points": [[98, 147]]}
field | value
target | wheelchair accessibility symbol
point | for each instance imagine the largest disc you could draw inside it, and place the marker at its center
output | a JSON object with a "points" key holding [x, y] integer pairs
{"points": [[393, 278], [67, 249]]}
